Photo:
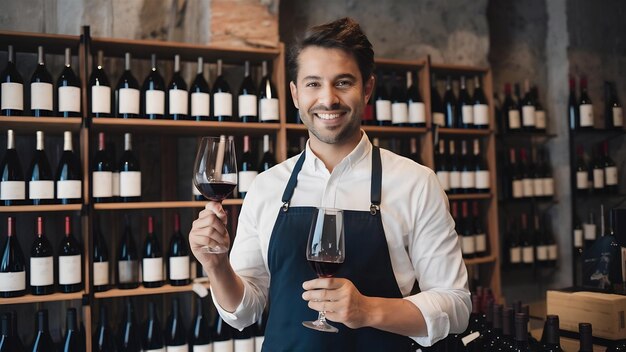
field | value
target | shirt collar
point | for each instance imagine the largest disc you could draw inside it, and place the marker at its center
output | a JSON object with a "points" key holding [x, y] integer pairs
{"points": [[362, 149]]}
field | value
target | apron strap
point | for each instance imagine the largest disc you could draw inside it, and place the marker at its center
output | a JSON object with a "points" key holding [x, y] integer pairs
{"points": [[377, 178], [293, 181]]}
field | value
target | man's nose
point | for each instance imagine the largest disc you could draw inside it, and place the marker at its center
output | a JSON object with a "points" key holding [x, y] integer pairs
{"points": [[328, 97]]}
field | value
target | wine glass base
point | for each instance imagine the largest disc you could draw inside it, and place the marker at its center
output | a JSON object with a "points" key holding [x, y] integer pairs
{"points": [[320, 326], [214, 249]]}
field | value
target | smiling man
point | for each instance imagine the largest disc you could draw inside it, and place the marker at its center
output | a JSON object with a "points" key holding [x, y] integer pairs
{"points": [[397, 224]]}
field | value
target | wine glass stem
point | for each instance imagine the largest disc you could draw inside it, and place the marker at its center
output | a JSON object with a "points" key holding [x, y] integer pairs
{"points": [[321, 317]]}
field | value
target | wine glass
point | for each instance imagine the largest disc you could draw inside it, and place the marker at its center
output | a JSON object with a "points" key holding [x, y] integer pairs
{"points": [[215, 173], [325, 252]]}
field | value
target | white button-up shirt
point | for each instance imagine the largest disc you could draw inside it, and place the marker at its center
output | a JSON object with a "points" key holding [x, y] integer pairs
{"points": [[423, 244]]}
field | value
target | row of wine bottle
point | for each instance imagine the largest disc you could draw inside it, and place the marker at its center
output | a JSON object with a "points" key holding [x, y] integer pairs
{"points": [[471, 230], [462, 110], [581, 112], [586, 232], [599, 175], [517, 114], [464, 172], [530, 248], [527, 176]]}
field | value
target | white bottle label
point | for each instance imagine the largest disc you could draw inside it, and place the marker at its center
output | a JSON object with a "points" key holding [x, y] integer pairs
{"points": [[69, 99], [518, 189], [14, 281], [181, 348], [69, 189], [598, 178], [41, 190], [553, 252], [582, 182], [468, 114], [610, 174], [244, 345], [444, 179], [399, 113], [538, 187], [468, 245], [540, 119], [383, 110], [514, 119], [589, 232], [102, 184], [481, 242], [618, 116], [481, 115], [130, 183], [482, 179], [245, 180], [548, 187], [12, 96], [269, 109], [179, 101], [115, 184], [468, 179], [155, 102], [439, 119], [586, 115], [528, 187], [100, 273], [258, 343], [162, 349], [528, 255], [247, 105], [417, 112], [200, 104], [223, 346], [179, 268], [528, 116], [203, 348], [542, 253], [128, 101], [12, 190], [455, 179], [41, 271], [41, 96], [152, 269], [70, 269], [223, 104], [101, 99], [128, 271], [578, 238], [516, 255]]}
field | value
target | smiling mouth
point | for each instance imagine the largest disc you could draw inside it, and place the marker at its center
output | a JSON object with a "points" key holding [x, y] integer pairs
{"points": [[329, 116]]}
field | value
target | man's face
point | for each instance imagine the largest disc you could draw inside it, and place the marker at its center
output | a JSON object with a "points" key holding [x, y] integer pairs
{"points": [[330, 94]]}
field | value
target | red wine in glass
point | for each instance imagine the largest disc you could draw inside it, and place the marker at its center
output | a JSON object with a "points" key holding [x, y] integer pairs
{"points": [[326, 267], [216, 191]]}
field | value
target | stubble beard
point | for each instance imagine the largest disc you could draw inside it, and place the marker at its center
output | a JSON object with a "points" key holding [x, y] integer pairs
{"points": [[351, 128]]}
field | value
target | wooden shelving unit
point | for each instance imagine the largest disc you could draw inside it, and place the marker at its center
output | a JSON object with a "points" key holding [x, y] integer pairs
{"points": [[161, 205], [29, 124], [54, 297], [180, 128], [144, 291], [41, 208], [470, 196]]}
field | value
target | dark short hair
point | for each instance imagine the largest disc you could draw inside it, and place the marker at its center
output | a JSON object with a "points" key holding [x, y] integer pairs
{"points": [[344, 34]]}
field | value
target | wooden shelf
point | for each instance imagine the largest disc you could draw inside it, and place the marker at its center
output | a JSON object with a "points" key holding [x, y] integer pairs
{"points": [[481, 260], [458, 69], [399, 64], [525, 135], [372, 130], [40, 208], [161, 205], [469, 196], [28, 42], [30, 124], [143, 291], [44, 298], [191, 128], [463, 131]]}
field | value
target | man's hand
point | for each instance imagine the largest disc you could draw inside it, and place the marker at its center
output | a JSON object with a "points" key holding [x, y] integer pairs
{"points": [[340, 299], [209, 229]]}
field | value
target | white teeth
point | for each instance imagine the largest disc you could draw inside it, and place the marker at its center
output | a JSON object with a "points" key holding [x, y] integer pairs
{"points": [[328, 116]]}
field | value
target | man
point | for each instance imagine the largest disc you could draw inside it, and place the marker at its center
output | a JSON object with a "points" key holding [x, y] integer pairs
{"points": [[399, 230]]}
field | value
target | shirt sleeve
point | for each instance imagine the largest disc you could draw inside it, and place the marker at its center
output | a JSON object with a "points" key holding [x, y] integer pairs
{"points": [[247, 261], [436, 256]]}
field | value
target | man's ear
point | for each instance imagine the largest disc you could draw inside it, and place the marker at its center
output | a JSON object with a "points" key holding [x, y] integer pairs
{"points": [[294, 93], [369, 88]]}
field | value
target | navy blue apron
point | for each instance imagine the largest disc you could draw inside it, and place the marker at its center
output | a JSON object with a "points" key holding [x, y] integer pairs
{"points": [[367, 265]]}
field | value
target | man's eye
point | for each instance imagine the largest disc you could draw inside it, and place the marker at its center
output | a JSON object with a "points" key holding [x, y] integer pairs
{"points": [[311, 84], [344, 83]]}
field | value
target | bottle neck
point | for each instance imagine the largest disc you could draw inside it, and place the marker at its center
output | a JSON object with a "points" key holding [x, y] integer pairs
{"points": [[39, 227], [153, 62], [42, 321], [40, 56], [128, 142], [200, 65], [266, 143], [409, 79], [150, 225], [10, 226], [39, 140], [11, 55], [264, 69], [413, 145], [219, 67], [68, 227], [176, 223], [176, 63], [476, 147], [247, 69], [127, 61], [71, 320], [10, 140], [452, 151], [100, 59], [101, 144], [67, 141], [68, 57], [246, 144]]}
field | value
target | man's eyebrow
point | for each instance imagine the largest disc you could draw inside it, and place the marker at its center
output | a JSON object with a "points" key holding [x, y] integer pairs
{"points": [[312, 78], [340, 76]]}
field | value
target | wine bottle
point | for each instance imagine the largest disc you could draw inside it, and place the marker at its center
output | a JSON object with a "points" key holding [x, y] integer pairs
{"points": [[175, 332], [12, 268], [268, 97], [537, 173], [12, 185], [413, 151], [437, 109], [127, 92], [481, 107], [614, 114], [541, 249], [153, 92], [6, 334], [178, 255], [101, 173], [127, 260], [41, 181], [70, 263], [521, 333], [572, 105], [152, 259], [598, 171], [540, 113], [582, 183], [100, 99], [553, 249], [68, 178], [586, 337], [368, 117], [610, 170], [247, 100], [41, 88], [508, 330], [42, 341], [115, 172], [509, 108], [12, 88], [383, 102], [515, 169], [68, 86], [417, 108], [480, 234], [399, 107], [585, 106], [100, 261], [472, 337], [528, 246], [199, 334], [41, 263], [465, 107], [442, 167], [455, 170], [468, 241], [450, 106], [590, 231], [102, 337], [222, 336], [247, 170], [468, 173], [481, 170], [152, 340], [268, 160], [71, 341], [546, 175], [17, 342], [178, 97], [130, 173], [495, 339], [528, 109], [578, 236], [527, 175], [222, 97], [200, 98], [128, 338], [514, 245], [552, 338], [243, 341]]}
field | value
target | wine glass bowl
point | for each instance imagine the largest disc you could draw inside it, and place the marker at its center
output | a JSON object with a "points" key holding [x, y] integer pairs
{"points": [[215, 173]]}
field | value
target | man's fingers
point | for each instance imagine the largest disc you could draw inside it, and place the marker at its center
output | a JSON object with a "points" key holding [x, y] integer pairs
{"points": [[326, 283], [217, 209]]}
